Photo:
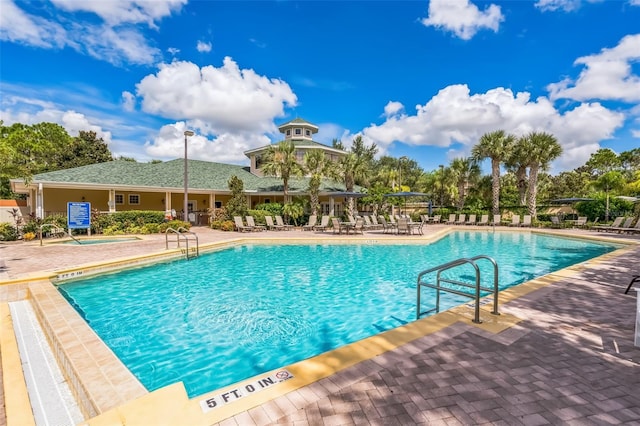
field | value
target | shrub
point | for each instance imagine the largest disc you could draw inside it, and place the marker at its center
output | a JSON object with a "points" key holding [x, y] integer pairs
{"points": [[175, 224], [223, 225], [273, 209], [258, 216], [8, 232]]}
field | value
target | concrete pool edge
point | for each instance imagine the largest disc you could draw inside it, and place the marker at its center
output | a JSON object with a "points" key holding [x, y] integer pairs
{"points": [[349, 357]]}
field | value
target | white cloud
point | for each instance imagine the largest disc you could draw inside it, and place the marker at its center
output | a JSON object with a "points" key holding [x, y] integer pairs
{"points": [[606, 76], [173, 51], [228, 99], [114, 39], [16, 26], [16, 109], [203, 47], [124, 11], [128, 101], [634, 2], [553, 5], [454, 116], [462, 17], [393, 108], [224, 148]]}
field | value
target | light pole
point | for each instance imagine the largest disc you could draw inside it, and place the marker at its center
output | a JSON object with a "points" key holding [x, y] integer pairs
{"points": [[441, 185], [185, 207]]}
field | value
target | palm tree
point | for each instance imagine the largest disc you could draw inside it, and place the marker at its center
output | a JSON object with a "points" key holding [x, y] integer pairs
{"points": [[465, 172], [318, 166], [610, 181], [497, 146], [280, 161], [518, 162], [544, 148], [355, 166]]}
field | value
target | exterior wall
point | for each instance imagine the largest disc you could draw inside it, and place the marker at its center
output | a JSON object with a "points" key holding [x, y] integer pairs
{"points": [[55, 200]]}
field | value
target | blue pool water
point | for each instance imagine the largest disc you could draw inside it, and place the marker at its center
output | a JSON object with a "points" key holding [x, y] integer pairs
{"points": [[238, 312]]}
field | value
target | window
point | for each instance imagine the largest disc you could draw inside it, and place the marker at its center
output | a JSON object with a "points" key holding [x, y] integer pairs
{"points": [[307, 132], [134, 199], [119, 198], [288, 132], [298, 131], [258, 161], [218, 204]]}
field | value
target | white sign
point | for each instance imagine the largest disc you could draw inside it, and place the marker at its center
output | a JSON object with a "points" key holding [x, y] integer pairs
{"points": [[235, 394]]}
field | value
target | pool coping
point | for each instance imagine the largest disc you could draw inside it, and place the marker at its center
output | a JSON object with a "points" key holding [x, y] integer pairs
{"points": [[172, 401]]}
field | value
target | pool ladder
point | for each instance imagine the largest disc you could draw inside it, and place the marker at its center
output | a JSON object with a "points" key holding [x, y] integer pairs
{"points": [[476, 286], [185, 234]]}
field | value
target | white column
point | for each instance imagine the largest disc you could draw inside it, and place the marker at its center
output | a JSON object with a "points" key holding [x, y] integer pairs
{"points": [[112, 201], [40, 202]]}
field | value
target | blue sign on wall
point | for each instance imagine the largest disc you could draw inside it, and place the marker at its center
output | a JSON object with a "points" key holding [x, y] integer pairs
{"points": [[78, 215]]}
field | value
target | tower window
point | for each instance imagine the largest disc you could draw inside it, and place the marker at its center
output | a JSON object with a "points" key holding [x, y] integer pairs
{"points": [[298, 131]]}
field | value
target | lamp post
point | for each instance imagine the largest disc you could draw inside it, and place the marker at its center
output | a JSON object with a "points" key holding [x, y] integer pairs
{"points": [[441, 185], [185, 207]]}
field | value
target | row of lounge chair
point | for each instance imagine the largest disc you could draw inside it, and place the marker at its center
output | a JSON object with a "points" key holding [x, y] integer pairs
{"points": [[619, 226], [462, 219]]}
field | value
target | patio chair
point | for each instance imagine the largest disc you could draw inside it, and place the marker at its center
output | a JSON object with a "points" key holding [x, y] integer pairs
{"points": [[633, 229], [484, 220], [252, 224], [313, 220], [515, 220], [280, 222], [616, 223], [386, 226], [271, 225], [403, 226], [526, 221], [452, 219], [368, 224], [619, 229], [471, 220], [436, 218], [324, 224], [359, 226], [581, 222], [555, 222], [341, 226], [461, 218], [241, 227], [497, 220]]}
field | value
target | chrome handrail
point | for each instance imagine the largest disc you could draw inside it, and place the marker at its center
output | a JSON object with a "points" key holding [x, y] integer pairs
{"points": [[182, 232], [450, 265]]}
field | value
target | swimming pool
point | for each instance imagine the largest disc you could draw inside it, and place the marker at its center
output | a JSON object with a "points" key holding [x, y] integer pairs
{"points": [[235, 313]]}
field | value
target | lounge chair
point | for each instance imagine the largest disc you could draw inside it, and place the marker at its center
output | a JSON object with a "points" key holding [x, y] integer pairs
{"points": [[436, 218], [324, 224], [252, 224], [484, 220], [555, 222], [526, 221], [313, 220], [515, 220], [619, 229], [368, 224], [341, 226], [616, 223], [241, 227], [633, 229], [581, 222], [271, 225], [280, 222], [452, 219], [461, 218], [497, 220], [374, 220], [359, 226], [471, 220], [387, 226]]}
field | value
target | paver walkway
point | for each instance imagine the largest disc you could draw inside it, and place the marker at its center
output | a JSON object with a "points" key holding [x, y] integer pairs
{"points": [[570, 361]]}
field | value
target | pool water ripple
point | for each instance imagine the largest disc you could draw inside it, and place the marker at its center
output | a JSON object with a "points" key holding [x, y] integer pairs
{"points": [[238, 312]]}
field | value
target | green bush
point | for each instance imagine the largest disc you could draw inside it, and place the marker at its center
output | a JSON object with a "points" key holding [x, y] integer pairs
{"points": [[258, 216], [175, 224], [273, 209], [8, 232], [223, 225]]}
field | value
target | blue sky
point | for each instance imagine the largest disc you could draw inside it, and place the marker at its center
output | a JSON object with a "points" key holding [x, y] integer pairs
{"points": [[423, 79]]}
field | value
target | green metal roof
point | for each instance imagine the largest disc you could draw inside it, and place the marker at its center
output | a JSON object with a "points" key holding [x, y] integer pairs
{"points": [[203, 175]]}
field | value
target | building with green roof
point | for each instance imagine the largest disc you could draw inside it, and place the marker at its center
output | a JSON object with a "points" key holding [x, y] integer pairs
{"points": [[127, 185]]}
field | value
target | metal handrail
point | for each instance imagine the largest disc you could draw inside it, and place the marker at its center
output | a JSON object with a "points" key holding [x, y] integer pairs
{"points": [[182, 232], [58, 229], [450, 265]]}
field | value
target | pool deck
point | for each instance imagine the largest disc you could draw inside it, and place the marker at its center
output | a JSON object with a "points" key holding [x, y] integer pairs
{"points": [[566, 356]]}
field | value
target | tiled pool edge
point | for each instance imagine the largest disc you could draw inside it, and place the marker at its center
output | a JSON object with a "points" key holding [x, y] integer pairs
{"points": [[82, 355]]}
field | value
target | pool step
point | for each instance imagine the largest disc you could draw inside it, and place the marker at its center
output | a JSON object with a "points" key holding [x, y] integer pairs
{"points": [[51, 399]]}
